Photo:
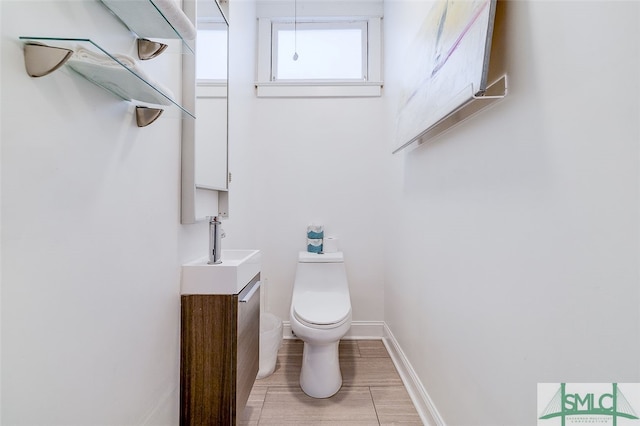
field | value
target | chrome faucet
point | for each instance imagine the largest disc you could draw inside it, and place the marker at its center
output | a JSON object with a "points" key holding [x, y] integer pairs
{"points": [[216, 233]]}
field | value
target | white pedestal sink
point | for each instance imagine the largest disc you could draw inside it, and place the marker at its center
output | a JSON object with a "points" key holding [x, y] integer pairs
{"points": [[230, 276]]}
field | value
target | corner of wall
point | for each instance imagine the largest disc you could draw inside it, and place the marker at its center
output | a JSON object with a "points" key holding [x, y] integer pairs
{"points": [[423, 403]]}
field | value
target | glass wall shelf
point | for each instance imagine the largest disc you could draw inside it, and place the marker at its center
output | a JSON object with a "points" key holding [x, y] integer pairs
{"points": [[118, 74], [155, 19]]}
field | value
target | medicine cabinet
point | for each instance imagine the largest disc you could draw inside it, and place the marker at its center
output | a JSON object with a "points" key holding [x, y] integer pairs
{"points": [[205, 173]]}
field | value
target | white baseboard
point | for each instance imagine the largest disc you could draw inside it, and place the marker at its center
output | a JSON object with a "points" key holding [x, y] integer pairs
{"points": [[287, 333], [423, 403], [379, 330]]}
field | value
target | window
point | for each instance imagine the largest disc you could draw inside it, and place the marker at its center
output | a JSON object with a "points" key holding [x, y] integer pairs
{"points": [[319, 51], [211, 52], [338, 56]]}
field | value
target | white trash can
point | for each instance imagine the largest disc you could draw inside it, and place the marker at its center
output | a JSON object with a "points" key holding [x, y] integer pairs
{"points": [[270, 342]]}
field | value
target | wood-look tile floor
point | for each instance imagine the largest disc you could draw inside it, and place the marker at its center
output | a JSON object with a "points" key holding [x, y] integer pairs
{"points": [[372, 392]]}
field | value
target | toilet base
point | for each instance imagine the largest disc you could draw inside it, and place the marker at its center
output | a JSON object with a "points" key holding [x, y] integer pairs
{"points": [[320, 376]]}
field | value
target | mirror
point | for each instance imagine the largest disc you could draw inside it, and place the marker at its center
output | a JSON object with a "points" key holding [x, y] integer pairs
{"points": [[204, 140], [211, 98]]}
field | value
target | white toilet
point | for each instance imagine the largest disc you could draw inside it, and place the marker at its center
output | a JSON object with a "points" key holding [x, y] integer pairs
{"points": [[320, 316]]}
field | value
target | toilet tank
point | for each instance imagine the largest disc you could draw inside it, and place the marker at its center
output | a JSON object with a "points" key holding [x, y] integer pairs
{"points": [[321, 272]]}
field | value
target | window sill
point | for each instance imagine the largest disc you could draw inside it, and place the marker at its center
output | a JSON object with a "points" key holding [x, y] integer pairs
{"points": [[318, 90], [208, 89]]}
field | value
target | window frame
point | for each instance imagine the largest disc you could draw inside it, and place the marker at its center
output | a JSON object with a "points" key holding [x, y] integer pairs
{"points": [[360, 24], [371, 86]]}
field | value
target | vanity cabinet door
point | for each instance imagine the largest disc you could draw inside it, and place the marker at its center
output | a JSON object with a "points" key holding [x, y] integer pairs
{"points": [[207, 357], [219, 349]]}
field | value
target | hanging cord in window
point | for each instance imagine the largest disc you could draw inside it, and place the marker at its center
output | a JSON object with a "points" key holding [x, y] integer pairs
{"points": [[295, 30]]}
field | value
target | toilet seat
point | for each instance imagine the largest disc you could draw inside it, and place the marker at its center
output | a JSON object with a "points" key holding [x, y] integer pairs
{"points": [[322, 309]]}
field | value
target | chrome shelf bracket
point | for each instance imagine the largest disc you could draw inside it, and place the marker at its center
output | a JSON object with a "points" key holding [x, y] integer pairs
{"points": [[148, 49], [40, 59], [147, 115]]}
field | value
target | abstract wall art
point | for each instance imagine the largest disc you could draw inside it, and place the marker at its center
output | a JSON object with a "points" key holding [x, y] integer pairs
{"points": [[446, 65]]}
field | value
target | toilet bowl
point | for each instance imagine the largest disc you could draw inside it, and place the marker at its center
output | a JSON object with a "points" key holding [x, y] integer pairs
{"points": [[320, 316]]}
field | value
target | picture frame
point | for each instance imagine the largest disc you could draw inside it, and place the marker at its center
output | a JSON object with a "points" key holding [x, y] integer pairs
{"points": [[447, 67]]}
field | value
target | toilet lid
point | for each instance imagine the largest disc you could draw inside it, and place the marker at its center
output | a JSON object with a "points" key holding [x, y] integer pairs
{"points": [[322, 308]]}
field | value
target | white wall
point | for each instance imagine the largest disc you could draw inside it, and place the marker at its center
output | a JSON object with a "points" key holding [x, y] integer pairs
{"points": [[513, 248], [90, 236], [1, 275], [318, 160]]}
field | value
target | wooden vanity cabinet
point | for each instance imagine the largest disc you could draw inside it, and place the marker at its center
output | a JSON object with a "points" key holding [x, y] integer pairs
{"points": [[219, 349]]}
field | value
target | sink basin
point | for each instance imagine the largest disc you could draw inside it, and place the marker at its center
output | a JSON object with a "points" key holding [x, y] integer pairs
{"points": [[230, 276]]}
